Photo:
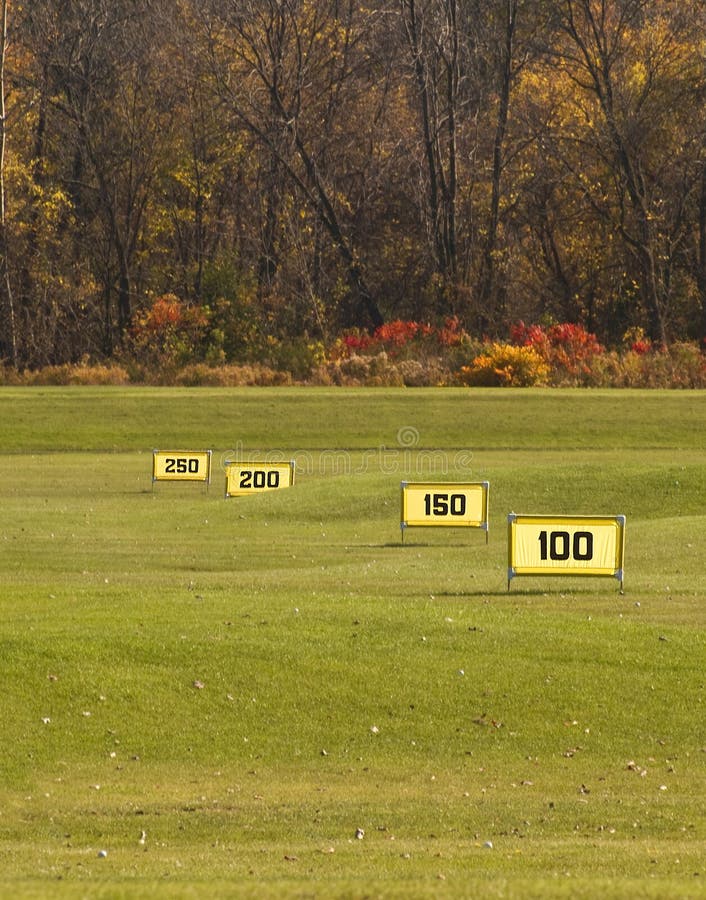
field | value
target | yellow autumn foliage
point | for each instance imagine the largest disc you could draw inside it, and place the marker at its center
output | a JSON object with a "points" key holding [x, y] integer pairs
{"points": [[504, 365]]}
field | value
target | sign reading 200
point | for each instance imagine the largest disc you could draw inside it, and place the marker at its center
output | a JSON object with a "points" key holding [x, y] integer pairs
{"points": [[259, 479], [251, 477]]}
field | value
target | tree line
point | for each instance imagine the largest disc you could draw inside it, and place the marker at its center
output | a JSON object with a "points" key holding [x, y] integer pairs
{"points": [[300, 167]]}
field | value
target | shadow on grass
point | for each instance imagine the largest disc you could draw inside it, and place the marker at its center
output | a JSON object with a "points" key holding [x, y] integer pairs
{"points": [[574, 593], [397, 545]]}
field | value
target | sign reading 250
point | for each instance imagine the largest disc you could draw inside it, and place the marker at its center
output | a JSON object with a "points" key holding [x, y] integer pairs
{"points": [[181, 465], [253, 477]]}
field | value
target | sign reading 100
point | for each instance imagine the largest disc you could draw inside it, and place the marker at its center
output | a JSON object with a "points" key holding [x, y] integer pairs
{"points": [[560, 545], [566, 545]]}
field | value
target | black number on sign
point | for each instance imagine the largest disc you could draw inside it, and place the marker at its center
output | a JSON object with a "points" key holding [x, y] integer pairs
{"points": [[180, 465], [436, 504], [259, 479], [443, 504], [559, 546], [458, 504], [585, 552]]}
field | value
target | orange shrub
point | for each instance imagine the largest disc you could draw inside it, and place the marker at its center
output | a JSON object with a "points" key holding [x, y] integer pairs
{"points": [[504, 365], [167, 334]]}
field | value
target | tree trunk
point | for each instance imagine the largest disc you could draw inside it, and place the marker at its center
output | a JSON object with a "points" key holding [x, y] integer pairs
{"points": [[9, 344], [701, 260], [488, 271], [438, 100]]}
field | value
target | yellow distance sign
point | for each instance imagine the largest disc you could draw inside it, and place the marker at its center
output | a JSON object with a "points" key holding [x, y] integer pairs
{"points": [[244, 478], [566, 545], [454, 505], [181, 465]]}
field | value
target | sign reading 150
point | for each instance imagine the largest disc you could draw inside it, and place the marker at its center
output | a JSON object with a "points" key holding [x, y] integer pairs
{"points": [[454, 504], [445, 504]]}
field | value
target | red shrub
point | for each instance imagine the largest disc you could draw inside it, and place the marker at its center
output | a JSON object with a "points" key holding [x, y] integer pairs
{"points": [[641, 347], [567, 348], [451, 333]]}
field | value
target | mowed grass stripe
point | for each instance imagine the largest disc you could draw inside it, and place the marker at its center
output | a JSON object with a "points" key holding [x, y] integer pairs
{"points": [[290, 419]]}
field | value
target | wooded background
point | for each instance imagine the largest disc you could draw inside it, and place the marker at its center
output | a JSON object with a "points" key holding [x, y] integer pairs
{"points": [[297, 167]]}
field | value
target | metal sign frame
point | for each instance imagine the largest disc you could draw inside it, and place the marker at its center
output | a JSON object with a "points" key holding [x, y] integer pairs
{"points": [[566, 545]]}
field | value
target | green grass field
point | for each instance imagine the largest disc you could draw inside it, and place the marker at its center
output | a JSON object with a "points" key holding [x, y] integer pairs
{"points": [[210, 697]]}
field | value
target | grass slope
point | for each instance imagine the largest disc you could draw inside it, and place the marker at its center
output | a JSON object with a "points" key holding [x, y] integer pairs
{"points": [[218, 694]]}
